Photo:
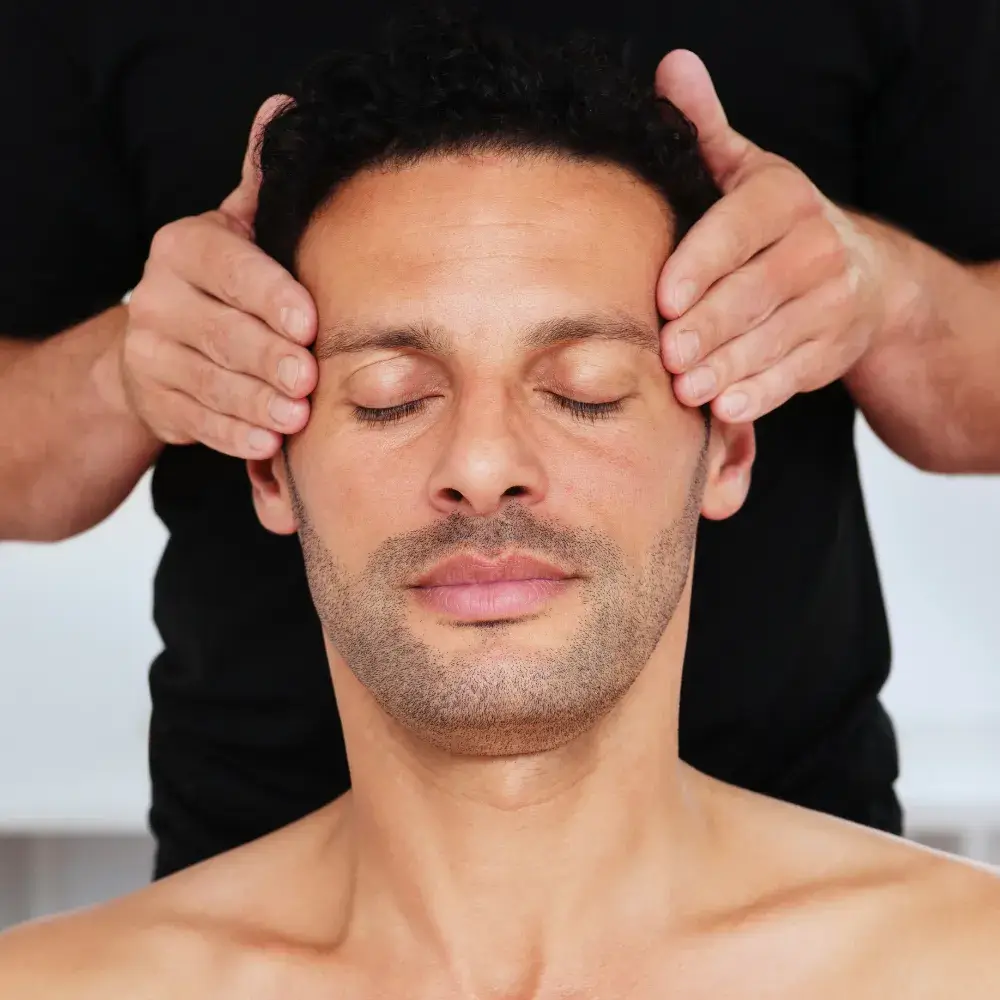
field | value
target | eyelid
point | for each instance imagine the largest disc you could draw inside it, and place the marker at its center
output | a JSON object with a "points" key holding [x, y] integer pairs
{"points": [[376, 415], [589, 375], [387, 362], [582, 410]]}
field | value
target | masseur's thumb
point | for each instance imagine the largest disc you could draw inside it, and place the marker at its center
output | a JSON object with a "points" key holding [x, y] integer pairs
{"points": [[241, 204], [683, 79]]}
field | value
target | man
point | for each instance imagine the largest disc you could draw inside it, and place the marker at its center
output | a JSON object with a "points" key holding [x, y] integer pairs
{"points": [[497, 497], [137, 118]]}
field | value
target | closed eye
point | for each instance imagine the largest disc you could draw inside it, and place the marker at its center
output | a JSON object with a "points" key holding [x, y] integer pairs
{"points": [[384, 415], [387, 414], [588, 411]]}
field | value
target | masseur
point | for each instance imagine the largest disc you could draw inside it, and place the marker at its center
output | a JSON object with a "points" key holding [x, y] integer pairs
{"points": [[129, 127], [497, 498]]}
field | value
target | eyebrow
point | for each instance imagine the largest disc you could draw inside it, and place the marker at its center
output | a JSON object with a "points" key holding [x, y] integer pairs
{"points": [[433, 339]]}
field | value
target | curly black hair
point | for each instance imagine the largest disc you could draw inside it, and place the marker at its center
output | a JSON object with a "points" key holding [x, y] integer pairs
{"points": [[444, 82]]}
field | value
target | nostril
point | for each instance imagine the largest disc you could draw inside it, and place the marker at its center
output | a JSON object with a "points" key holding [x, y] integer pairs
{"points": [[452, 494], [515, 491]]}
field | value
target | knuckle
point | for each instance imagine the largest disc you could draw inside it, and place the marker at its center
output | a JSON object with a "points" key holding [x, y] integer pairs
{"points": [[804, 373], [809, 380], [723, 364], [210, 429], [221, 433], [216, 341], [275, 295], [263, 354], [268, 356], [754, 294], [803, 197], [214, 217], [707, 325], [168, 241], [205, 383], [166, 416], [259, 407], [772, 349], [743, 238], [771, 392], [231, 277]]}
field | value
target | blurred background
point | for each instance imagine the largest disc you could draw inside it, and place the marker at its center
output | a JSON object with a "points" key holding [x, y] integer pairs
{"points": [[76, 637]]}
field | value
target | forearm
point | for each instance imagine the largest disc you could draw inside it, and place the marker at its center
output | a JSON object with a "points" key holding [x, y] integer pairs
{"points": [[929, 384], [70, 448]]}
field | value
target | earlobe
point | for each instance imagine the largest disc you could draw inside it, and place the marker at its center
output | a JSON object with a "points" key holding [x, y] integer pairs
{"points": [[731, 451], [271, 495]]}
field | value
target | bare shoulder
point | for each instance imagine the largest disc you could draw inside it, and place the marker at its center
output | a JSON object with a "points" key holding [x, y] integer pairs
{"points": [[922, 924], [941, 935], [193, 935], [895, 919], [117, 950]]}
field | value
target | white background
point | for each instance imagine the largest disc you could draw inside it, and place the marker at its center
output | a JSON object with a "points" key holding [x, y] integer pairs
{"points": [[76, 639]]}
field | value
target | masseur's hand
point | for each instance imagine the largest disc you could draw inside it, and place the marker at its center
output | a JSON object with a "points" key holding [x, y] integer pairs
{"points": [[215, 349], [776, 290]]}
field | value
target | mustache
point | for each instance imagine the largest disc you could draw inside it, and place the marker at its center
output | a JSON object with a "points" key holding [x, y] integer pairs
{"points": [[514, 527]]}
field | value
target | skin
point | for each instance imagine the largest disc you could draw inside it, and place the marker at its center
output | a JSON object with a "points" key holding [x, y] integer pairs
{"points": [[575, 859], [776, 291]]}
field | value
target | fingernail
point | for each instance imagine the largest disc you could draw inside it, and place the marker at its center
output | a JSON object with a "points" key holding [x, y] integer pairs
{"points": [[735, 403], [259, 440], [701, 382], [684, 295], [288, 373], [282, 409], [294, 321], [686, 345]]}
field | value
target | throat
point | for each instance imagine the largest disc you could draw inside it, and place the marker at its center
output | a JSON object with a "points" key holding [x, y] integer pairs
{"points": [[504, 867]]}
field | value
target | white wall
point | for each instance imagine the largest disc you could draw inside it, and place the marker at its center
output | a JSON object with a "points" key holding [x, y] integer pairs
{"points": [[76, 639]]}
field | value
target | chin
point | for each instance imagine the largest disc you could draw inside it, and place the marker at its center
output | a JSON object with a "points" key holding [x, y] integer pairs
{"points": [[513, 738]]}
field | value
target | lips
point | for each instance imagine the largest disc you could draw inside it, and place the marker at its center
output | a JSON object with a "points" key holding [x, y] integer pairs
{"points": [[471, 588], [468, 569]]}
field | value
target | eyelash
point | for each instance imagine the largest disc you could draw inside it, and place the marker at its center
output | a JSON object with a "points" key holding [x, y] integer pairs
{"points": [[591, 412], [387, 414]]}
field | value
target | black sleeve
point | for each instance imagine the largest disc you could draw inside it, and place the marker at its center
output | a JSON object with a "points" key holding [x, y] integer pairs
{"points": [[931, 160], [68, 241]]}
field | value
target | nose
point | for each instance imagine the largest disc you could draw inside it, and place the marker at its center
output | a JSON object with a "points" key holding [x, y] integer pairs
{"points": [[488, 459]]}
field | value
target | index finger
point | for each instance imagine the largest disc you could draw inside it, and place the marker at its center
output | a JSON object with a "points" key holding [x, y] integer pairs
{"points": [[237, 272], [755, 214]]}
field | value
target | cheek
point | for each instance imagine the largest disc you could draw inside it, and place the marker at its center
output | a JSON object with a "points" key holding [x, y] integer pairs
{"points": [[355, 496], [629, 487]]}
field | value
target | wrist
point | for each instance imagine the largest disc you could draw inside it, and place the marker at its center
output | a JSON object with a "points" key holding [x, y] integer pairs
{"points": [[900, 290], [107, 372]]}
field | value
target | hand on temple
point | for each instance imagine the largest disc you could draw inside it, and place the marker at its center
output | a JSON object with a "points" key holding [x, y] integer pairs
{"points": [[216, 346], [776, 290]]}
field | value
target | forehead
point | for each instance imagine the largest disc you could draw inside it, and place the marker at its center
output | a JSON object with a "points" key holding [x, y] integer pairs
{"points": [[468, 241]]}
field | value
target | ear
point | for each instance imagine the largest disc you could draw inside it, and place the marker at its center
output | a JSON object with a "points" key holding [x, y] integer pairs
{"points": [[272, 497], [731, 451]]}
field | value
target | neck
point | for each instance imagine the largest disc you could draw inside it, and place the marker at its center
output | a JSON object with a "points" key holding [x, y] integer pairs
{"points": [[510, 870]]}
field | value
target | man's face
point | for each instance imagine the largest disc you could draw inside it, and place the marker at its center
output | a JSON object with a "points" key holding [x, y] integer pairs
{"points": [[497, 493]]}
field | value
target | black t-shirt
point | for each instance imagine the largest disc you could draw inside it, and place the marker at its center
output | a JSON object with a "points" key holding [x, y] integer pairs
{"points": [[120, 117]]}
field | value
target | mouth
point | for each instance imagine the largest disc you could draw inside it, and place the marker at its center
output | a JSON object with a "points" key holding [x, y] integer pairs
{"points": [[471, 588]]}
